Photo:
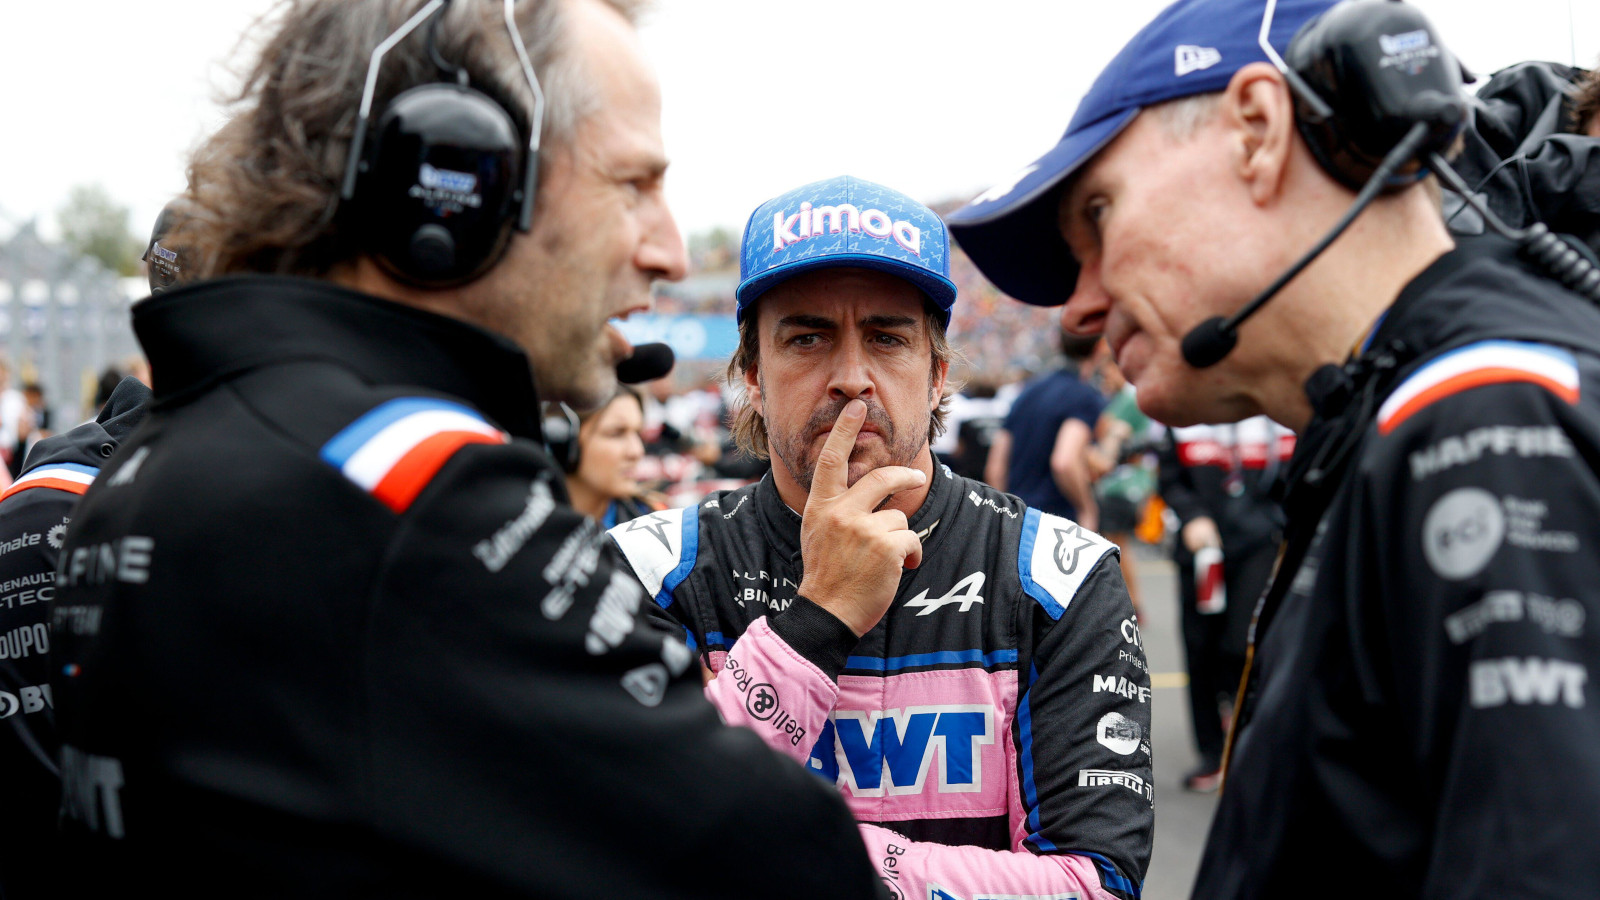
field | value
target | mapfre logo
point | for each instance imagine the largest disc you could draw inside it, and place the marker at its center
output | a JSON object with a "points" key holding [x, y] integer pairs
{"points": [[816, 221], [876, 754]]}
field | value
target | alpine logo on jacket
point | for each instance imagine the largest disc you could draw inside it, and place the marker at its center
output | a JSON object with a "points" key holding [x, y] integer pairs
{"points": [[965, 593]]}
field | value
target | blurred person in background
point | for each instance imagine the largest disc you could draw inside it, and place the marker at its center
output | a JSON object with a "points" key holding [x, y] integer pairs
{"points": [[600, 466], [13, 417], [1531, 152], [1586, 105], [328, 624], [35, 425], [1041, 454], [34, 514], [1123, 478], [1417, 707], [1219, 481], [967, 670]]}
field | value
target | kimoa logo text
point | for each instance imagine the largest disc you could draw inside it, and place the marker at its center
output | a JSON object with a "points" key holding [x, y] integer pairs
{"points": [[815, 221]]}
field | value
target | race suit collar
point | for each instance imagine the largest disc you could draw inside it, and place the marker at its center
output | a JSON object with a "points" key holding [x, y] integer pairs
{"points": [[199, 334], [782, 524]]}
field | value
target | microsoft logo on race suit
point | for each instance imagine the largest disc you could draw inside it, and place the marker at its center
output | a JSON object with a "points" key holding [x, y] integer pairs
{"points": [[891, 753], [812, 222]]}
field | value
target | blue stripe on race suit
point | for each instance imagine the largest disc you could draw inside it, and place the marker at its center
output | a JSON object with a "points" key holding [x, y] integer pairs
{"points": [[715, 639], [1109, 876], [688, 638], [686, 555], [1030, 533], [895, 663], [1030, 794]]}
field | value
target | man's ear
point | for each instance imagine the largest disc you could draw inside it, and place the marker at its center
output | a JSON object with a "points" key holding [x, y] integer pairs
{"points": [[1258, 108], [752, 384], [941, 374]]}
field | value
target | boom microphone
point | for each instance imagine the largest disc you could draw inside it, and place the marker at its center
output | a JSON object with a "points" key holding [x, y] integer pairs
{"points": [[648, 362]]}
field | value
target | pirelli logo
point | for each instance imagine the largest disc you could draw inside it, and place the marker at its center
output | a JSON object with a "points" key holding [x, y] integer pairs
{"points": [[1103, 777]]}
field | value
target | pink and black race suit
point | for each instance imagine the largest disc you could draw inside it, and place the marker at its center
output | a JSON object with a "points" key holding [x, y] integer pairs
{"points": [[991, 733]]}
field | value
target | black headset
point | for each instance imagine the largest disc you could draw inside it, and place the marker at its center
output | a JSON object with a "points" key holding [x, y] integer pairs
{"points": [[560, 429], [1380, 102], [435, 191]]}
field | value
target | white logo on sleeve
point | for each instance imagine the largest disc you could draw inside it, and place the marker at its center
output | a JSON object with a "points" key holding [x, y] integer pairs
{"points": [[1189, 58], [1462, 532], [1527, 682], [1118, 733], [965, 592]]}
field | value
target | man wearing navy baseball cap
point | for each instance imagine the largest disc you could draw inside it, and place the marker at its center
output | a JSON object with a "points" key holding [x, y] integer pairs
{"points": [[967, 670], [1415, 709]]}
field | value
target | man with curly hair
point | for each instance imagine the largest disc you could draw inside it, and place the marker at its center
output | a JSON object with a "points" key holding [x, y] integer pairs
{"points": [[328, 626]]}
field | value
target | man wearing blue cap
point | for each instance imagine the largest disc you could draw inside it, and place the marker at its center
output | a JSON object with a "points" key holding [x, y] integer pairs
{"points": [[1415, 719], [967, 670]]}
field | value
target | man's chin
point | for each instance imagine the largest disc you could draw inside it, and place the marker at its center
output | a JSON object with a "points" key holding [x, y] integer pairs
{"points": [[585, 391]]}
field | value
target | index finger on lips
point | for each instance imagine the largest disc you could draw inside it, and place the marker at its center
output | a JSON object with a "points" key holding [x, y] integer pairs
{"points": [[833, 463]]}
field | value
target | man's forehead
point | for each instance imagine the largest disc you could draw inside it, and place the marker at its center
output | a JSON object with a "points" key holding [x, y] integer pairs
{"points": [[843, 294]]}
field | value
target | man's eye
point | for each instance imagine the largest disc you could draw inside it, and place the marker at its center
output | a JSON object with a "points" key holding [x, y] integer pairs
{"points": [[890, 340], [804, 340], [1094, 211]]}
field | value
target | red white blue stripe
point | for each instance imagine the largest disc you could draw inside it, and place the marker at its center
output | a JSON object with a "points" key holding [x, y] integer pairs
{"points": [[1476, 365], [394, 451], [70, 477]]}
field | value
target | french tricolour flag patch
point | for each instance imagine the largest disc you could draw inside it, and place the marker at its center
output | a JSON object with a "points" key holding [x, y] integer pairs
{"points": [[69, 477], [393, 451], [1475, 365]]}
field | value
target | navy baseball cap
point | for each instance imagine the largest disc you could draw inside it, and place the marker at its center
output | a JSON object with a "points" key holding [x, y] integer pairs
{"points": [[1192, 47], [845, 222]]}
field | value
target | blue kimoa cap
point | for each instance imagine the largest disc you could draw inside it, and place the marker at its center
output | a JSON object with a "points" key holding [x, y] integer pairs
{"points": [[1191, 47], [845, 222]]}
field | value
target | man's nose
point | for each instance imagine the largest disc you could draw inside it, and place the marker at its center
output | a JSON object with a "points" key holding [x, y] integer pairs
{"points": [[1085, 312], [661, 251], [850, 377]]}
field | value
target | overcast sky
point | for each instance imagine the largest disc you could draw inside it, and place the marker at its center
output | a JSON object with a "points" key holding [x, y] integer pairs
{"points": [[937, 98]]}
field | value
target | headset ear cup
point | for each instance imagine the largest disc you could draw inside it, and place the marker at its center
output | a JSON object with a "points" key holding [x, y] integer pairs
{"points": [[1380, 67], [437, 202], [561, 429]]}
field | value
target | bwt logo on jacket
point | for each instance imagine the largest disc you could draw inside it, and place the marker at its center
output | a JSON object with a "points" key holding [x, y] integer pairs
{"points": [[891, 752], [817, 221]]}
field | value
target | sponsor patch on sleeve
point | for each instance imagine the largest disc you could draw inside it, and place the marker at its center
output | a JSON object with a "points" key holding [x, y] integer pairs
{"points": [[393, 451], [661, 547], [1054, 557], [1476, 365]]}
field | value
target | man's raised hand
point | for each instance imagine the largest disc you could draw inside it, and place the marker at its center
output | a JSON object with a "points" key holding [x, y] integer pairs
{"points": [[852, 551]]}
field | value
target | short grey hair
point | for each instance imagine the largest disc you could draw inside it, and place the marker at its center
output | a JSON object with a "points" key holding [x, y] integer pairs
{"points": [[1183, 118], [265, 188]]}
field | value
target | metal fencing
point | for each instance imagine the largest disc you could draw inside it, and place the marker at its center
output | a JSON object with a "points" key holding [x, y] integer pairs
{"points": [[63, 319]]}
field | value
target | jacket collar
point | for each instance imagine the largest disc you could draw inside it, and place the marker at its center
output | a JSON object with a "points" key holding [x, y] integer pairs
{"points": [[199, 334]]}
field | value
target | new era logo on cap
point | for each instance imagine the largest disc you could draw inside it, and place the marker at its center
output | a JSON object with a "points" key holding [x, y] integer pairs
{"points": [[1195, 59], [844, 222]]}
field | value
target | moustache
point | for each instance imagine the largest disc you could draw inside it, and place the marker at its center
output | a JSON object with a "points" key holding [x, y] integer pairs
{"points": [[877, 417]]}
